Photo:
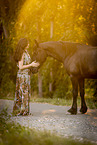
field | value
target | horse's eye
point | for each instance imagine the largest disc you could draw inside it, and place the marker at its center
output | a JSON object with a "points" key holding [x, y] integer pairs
{"points": [[35, 52]]}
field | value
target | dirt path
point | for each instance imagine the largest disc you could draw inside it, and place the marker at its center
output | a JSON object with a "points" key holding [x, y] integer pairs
{"points": [[56, 119]]}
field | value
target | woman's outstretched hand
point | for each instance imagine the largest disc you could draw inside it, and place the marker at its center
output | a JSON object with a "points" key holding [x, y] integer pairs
{"points": [[35, 64]]}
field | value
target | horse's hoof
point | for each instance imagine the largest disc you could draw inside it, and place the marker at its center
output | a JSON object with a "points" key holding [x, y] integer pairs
{"points": [[72, 111], [83, 110]]}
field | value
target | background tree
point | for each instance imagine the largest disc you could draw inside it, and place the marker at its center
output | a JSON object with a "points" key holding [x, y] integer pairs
{"points": [[73, 20]]}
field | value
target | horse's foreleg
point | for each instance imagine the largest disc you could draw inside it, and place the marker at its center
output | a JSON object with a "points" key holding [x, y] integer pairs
{"points": [[82, 92], [73, 109]]}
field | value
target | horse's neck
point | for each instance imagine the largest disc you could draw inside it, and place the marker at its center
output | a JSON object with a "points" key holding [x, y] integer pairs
{"points": [[54, 55], [54, 51]]}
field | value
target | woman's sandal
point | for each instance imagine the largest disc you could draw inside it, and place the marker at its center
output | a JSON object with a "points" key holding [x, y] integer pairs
{"points": [[25, 114]]}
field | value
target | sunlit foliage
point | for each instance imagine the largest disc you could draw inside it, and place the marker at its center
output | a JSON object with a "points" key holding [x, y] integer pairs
{"points": [[73, 20]]}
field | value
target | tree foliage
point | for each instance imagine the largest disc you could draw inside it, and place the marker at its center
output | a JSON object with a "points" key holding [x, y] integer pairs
{"points": [[73, 21]]}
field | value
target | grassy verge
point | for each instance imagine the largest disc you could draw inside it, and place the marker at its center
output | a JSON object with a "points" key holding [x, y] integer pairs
{"points": [[65, 102], [60, 101], [11, 133]]}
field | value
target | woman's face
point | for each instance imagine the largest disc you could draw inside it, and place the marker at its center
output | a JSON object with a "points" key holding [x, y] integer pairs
{"points": [[27, 46]]}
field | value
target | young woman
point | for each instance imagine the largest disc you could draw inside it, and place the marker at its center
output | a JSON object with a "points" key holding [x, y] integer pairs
{"points": [[22, 94]]}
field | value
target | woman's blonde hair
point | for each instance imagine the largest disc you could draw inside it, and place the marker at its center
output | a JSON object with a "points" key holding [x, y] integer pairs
{"points": [[23, 42]]}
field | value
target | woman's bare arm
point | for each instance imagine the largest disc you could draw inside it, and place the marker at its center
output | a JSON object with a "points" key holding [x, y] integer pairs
{"points": [[21, 66]]}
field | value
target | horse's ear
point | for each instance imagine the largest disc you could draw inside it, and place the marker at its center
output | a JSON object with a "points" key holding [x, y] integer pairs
{"points": [[37, 44]]}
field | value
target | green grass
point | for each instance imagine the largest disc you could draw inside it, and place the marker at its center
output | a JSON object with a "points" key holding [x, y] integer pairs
{"points": [[54, 101], [60, 101], [65, 102], [12, 134]]}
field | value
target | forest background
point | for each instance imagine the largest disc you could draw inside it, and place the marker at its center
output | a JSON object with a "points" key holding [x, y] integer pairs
{"points": [[45, 20]]}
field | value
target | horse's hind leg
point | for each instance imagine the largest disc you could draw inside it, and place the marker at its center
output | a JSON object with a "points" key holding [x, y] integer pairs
{"points": [[73, 109], [82, 92]]}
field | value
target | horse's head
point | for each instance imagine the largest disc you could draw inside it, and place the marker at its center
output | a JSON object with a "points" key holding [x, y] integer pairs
{"points": [[39, 54]]}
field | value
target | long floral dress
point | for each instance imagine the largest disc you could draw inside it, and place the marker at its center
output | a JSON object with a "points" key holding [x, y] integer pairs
{"points": [[22, 93]]}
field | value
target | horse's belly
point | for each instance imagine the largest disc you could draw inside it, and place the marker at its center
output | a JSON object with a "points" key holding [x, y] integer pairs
{"points": [[85, 70], [89, 69], [89, 73], [82, 65]]}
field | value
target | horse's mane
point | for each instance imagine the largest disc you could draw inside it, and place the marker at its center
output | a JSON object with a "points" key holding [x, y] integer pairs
{"points": [[66, 47], [74, 46], [70, 47]]}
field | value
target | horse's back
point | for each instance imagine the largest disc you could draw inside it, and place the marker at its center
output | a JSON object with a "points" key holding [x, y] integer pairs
{"points": [[89, 62], [83, 61]]}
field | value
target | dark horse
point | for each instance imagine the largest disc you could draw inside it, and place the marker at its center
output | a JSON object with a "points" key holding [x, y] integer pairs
{"points": [[80, 62]]}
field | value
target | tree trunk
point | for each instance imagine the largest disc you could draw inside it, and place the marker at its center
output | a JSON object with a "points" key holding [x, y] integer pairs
{"points": [[51, 77], [51, 29], [51, 73], [40, 84], [3, 19], [5, 31], [39, 73]]}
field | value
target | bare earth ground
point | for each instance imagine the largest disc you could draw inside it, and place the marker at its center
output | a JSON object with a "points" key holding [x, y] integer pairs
{"points": [[56, 119]]}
